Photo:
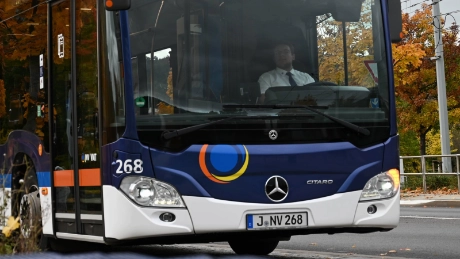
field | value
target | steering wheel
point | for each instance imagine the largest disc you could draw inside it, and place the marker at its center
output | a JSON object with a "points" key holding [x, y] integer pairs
{"points": [[321, 83]]}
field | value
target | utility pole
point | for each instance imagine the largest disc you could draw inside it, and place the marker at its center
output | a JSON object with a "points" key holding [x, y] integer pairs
{"points": [[442, 96]]}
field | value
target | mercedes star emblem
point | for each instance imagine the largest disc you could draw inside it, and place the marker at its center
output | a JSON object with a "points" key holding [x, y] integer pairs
{"points": [[276, 188], [273, 134]]}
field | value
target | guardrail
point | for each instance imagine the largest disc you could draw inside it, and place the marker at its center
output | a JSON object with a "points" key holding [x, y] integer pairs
{"points": [[436, 168]]}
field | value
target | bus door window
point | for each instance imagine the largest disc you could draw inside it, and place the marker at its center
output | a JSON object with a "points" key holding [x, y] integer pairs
{"points": [[87, 107], [63, 144], [22, 76]]}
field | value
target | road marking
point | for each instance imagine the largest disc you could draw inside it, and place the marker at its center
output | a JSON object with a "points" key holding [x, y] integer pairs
{"points": [[414, 202], [423, 217]]}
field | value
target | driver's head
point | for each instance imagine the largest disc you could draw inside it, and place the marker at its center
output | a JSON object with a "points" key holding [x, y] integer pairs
{"points": [[284, 55]]}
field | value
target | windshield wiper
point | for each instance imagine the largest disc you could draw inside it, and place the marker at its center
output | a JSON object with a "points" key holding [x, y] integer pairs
{"points": [[344, 123], [167, 135]]}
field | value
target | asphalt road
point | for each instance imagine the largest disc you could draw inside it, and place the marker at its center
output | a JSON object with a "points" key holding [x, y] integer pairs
{"points": [[422, 233]]}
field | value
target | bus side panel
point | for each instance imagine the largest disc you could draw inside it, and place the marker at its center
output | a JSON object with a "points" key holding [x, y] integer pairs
{"points": [[120, 156], [5, 187], [391, 154]]}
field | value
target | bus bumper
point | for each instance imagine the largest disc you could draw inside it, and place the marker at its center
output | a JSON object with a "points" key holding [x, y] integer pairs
{"points": [[124, 220], [336, 211]]}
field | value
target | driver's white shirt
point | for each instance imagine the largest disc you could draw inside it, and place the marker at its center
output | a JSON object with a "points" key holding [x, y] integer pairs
{"points": [[278, 77]]}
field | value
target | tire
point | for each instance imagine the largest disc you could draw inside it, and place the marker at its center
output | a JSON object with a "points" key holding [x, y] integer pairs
{"points": [[25, 203], [259, 247], [30, 216]]}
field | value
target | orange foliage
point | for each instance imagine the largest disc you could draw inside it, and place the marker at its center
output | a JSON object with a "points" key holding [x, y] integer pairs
{"points": [[415, 74], [165, 109], [330, 49]]}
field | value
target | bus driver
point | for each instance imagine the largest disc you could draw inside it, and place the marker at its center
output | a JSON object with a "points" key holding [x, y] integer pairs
{"points": [[284, 74]]}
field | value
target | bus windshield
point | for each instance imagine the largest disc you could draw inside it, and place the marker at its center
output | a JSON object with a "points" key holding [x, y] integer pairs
{"points": [[195, 62]]}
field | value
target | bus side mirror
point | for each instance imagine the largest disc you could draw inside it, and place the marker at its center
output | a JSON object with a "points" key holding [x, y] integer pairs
{"points": [[395, 20], [347, 11], [117, 5]]}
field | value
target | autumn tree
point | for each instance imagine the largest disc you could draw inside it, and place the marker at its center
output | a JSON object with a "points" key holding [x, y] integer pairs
{"points": [[359, 48], [415, 75], [23, 38], [23, 35]]}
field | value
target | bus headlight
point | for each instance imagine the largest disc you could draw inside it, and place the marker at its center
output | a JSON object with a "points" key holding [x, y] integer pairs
{"points": [[381, 186], [147, 191]]}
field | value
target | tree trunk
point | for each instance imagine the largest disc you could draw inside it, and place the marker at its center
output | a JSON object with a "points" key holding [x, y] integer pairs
{"points": [[422, 144], [422, 135]]}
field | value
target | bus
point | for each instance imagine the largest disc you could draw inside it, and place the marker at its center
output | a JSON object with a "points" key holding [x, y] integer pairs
{"points": [[152, 122]]}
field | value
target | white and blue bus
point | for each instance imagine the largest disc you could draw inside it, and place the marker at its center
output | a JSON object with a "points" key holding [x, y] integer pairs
{"points": [[181, 121]]}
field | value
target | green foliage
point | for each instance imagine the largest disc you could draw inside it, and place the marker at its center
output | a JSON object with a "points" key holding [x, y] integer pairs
{"points": [[433, 182], [7, 245], [434, 143], [408, 144]]}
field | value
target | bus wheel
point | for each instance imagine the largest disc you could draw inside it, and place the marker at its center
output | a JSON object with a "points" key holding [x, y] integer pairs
{"points": [[30, 216], [258, 247], [25, 201]]}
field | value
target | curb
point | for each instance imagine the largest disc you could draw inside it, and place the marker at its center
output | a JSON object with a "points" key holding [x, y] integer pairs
{"points": [[430, 203]]}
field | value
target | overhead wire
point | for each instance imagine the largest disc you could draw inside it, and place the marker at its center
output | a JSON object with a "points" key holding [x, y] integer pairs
{"points": [[450, 14], [414, 5], [441, 25]]}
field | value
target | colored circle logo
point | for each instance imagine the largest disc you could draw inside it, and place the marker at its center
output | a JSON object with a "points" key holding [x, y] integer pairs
{"points": [[223, 163]]}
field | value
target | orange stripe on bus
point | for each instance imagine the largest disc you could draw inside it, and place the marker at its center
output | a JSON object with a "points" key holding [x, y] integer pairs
{"points": [[90, 177], [87, 177], [63, 178]]}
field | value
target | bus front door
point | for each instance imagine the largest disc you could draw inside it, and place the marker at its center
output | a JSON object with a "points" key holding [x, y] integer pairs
{"points": [[74, 96]]}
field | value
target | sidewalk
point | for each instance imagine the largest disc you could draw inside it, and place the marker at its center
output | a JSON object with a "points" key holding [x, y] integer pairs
{"points": [[430, 200]]}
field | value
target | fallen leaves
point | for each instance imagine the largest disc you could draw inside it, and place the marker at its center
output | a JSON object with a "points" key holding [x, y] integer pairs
{"points": [[394, 251], [405, 249], [408, 192], [11, 225]]}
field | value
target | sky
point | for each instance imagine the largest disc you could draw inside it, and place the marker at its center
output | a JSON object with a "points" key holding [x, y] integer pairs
{"points": [[451, 6], [446, 6]]}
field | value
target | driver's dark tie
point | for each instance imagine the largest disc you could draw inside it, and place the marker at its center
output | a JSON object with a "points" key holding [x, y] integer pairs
{"points": [[291, 80]]}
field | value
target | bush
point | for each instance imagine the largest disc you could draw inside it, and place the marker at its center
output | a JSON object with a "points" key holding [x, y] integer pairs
{"points": [[433, 182]]}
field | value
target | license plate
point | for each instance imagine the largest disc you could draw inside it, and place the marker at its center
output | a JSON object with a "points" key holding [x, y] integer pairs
{"points": [[270, 221]]}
